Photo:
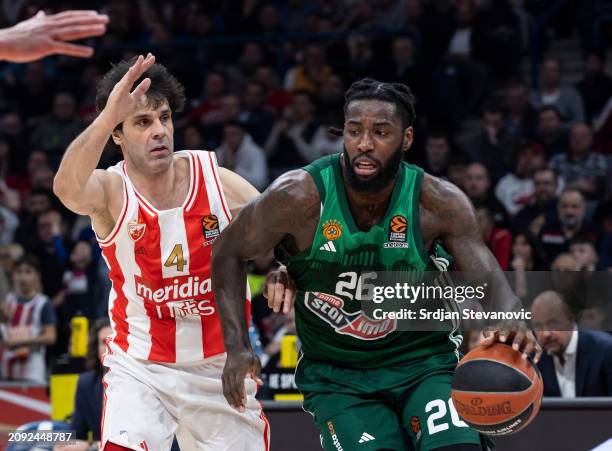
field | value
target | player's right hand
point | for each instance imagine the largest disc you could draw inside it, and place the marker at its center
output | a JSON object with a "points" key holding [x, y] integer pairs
{"points": [[238, 366], [122, 100]]}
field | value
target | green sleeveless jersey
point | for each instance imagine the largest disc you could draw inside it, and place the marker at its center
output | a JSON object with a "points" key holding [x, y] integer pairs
{"points": [[341, 261]]}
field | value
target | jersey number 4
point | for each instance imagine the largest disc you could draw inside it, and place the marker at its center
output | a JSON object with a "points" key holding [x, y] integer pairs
{"points": [[176, 258]]}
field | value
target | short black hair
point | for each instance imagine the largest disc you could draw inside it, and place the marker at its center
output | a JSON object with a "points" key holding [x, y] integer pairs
{"points": [[28, 260], [396, 93], [164, 86], [552, 108]]}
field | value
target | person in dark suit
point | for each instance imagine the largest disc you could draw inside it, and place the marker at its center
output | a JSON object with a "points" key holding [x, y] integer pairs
{"points": [[577, 362]]}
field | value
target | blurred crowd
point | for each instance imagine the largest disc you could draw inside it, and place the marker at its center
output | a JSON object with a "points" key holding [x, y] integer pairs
{"points": [[265, 80]]}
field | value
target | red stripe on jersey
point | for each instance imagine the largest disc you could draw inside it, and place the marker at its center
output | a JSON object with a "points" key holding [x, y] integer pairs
{"points": [[218, 184], [119, 311], [162, 332], [199, 254], [15, 320], [266, 429]]}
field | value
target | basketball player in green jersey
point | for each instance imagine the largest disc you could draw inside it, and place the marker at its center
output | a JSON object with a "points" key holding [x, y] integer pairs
{"points": [[369, 385]]}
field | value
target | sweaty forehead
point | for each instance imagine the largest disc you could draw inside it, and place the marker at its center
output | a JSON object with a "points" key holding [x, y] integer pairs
{"points": [[372, 110]]}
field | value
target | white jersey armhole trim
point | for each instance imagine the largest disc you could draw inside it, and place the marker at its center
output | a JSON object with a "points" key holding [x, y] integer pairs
{"points": [[110, 239], [212, 157]]}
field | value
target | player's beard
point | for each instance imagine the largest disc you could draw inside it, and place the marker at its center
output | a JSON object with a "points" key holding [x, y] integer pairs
{"points": [[385, 175]]}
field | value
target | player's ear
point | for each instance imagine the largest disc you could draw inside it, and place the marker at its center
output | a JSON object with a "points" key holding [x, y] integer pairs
{"points": [[408, 136], [117, 136]]}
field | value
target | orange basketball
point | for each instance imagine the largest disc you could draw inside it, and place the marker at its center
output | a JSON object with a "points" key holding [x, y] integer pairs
{"points": [[495, 391]]}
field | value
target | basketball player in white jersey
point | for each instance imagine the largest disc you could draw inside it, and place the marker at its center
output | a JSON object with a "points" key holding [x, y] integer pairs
{"points": [[156, 215]]}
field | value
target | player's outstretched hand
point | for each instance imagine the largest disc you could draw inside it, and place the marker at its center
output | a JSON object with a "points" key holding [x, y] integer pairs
{"points": [[43, 35], [124, 100], [238, 366], [280, 290], [517, 334]]}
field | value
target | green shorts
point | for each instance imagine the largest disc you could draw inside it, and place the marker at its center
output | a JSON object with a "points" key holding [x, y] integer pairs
{"points": [[400, 408]]}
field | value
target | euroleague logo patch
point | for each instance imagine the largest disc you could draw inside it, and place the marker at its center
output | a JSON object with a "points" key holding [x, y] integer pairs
{"points": [[398, 227], [332, 230], [136, 230], [210, 227]]}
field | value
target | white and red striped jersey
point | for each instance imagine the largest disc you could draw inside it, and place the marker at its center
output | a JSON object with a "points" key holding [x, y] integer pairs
{"points": [[25, 321], [161, 303]]}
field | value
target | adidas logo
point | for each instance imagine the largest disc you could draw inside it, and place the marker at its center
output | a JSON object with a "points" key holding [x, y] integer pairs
{"points": [[365, 437], [329, 247]]}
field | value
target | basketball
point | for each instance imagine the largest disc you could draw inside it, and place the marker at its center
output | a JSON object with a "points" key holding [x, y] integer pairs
{"points": [[496, 391]]}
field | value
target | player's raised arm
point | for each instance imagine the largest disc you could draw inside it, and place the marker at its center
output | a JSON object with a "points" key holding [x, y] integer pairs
{"points": [[43, 35], [461, 235], [77, 184], [282, 211]]}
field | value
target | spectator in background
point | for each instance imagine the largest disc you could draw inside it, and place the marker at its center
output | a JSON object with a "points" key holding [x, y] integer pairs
{"points": [[498, 240], [603, 217], [37, 201], [403, 68], [54, 133], [331, 102], [593, 318], [213, 92], [520, 119], [193, 137], [595, 86], [551, 135], [571, 223], [33, 95], [577, 362], [51, 250], [585, 254], [515, 190], [437, 152], [239, 153], [229, 110], [88, 399], [78, 295], [311, 73], [256, 117], [477, 187], [580, 168], [493, 146], [9, 254], [543, 205], [290, 143], [275, 96], [458, 164], [527, 256], [565, 98], [460, 82], [362, 62], [30, 325], [10, 221], [251, 58]]}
